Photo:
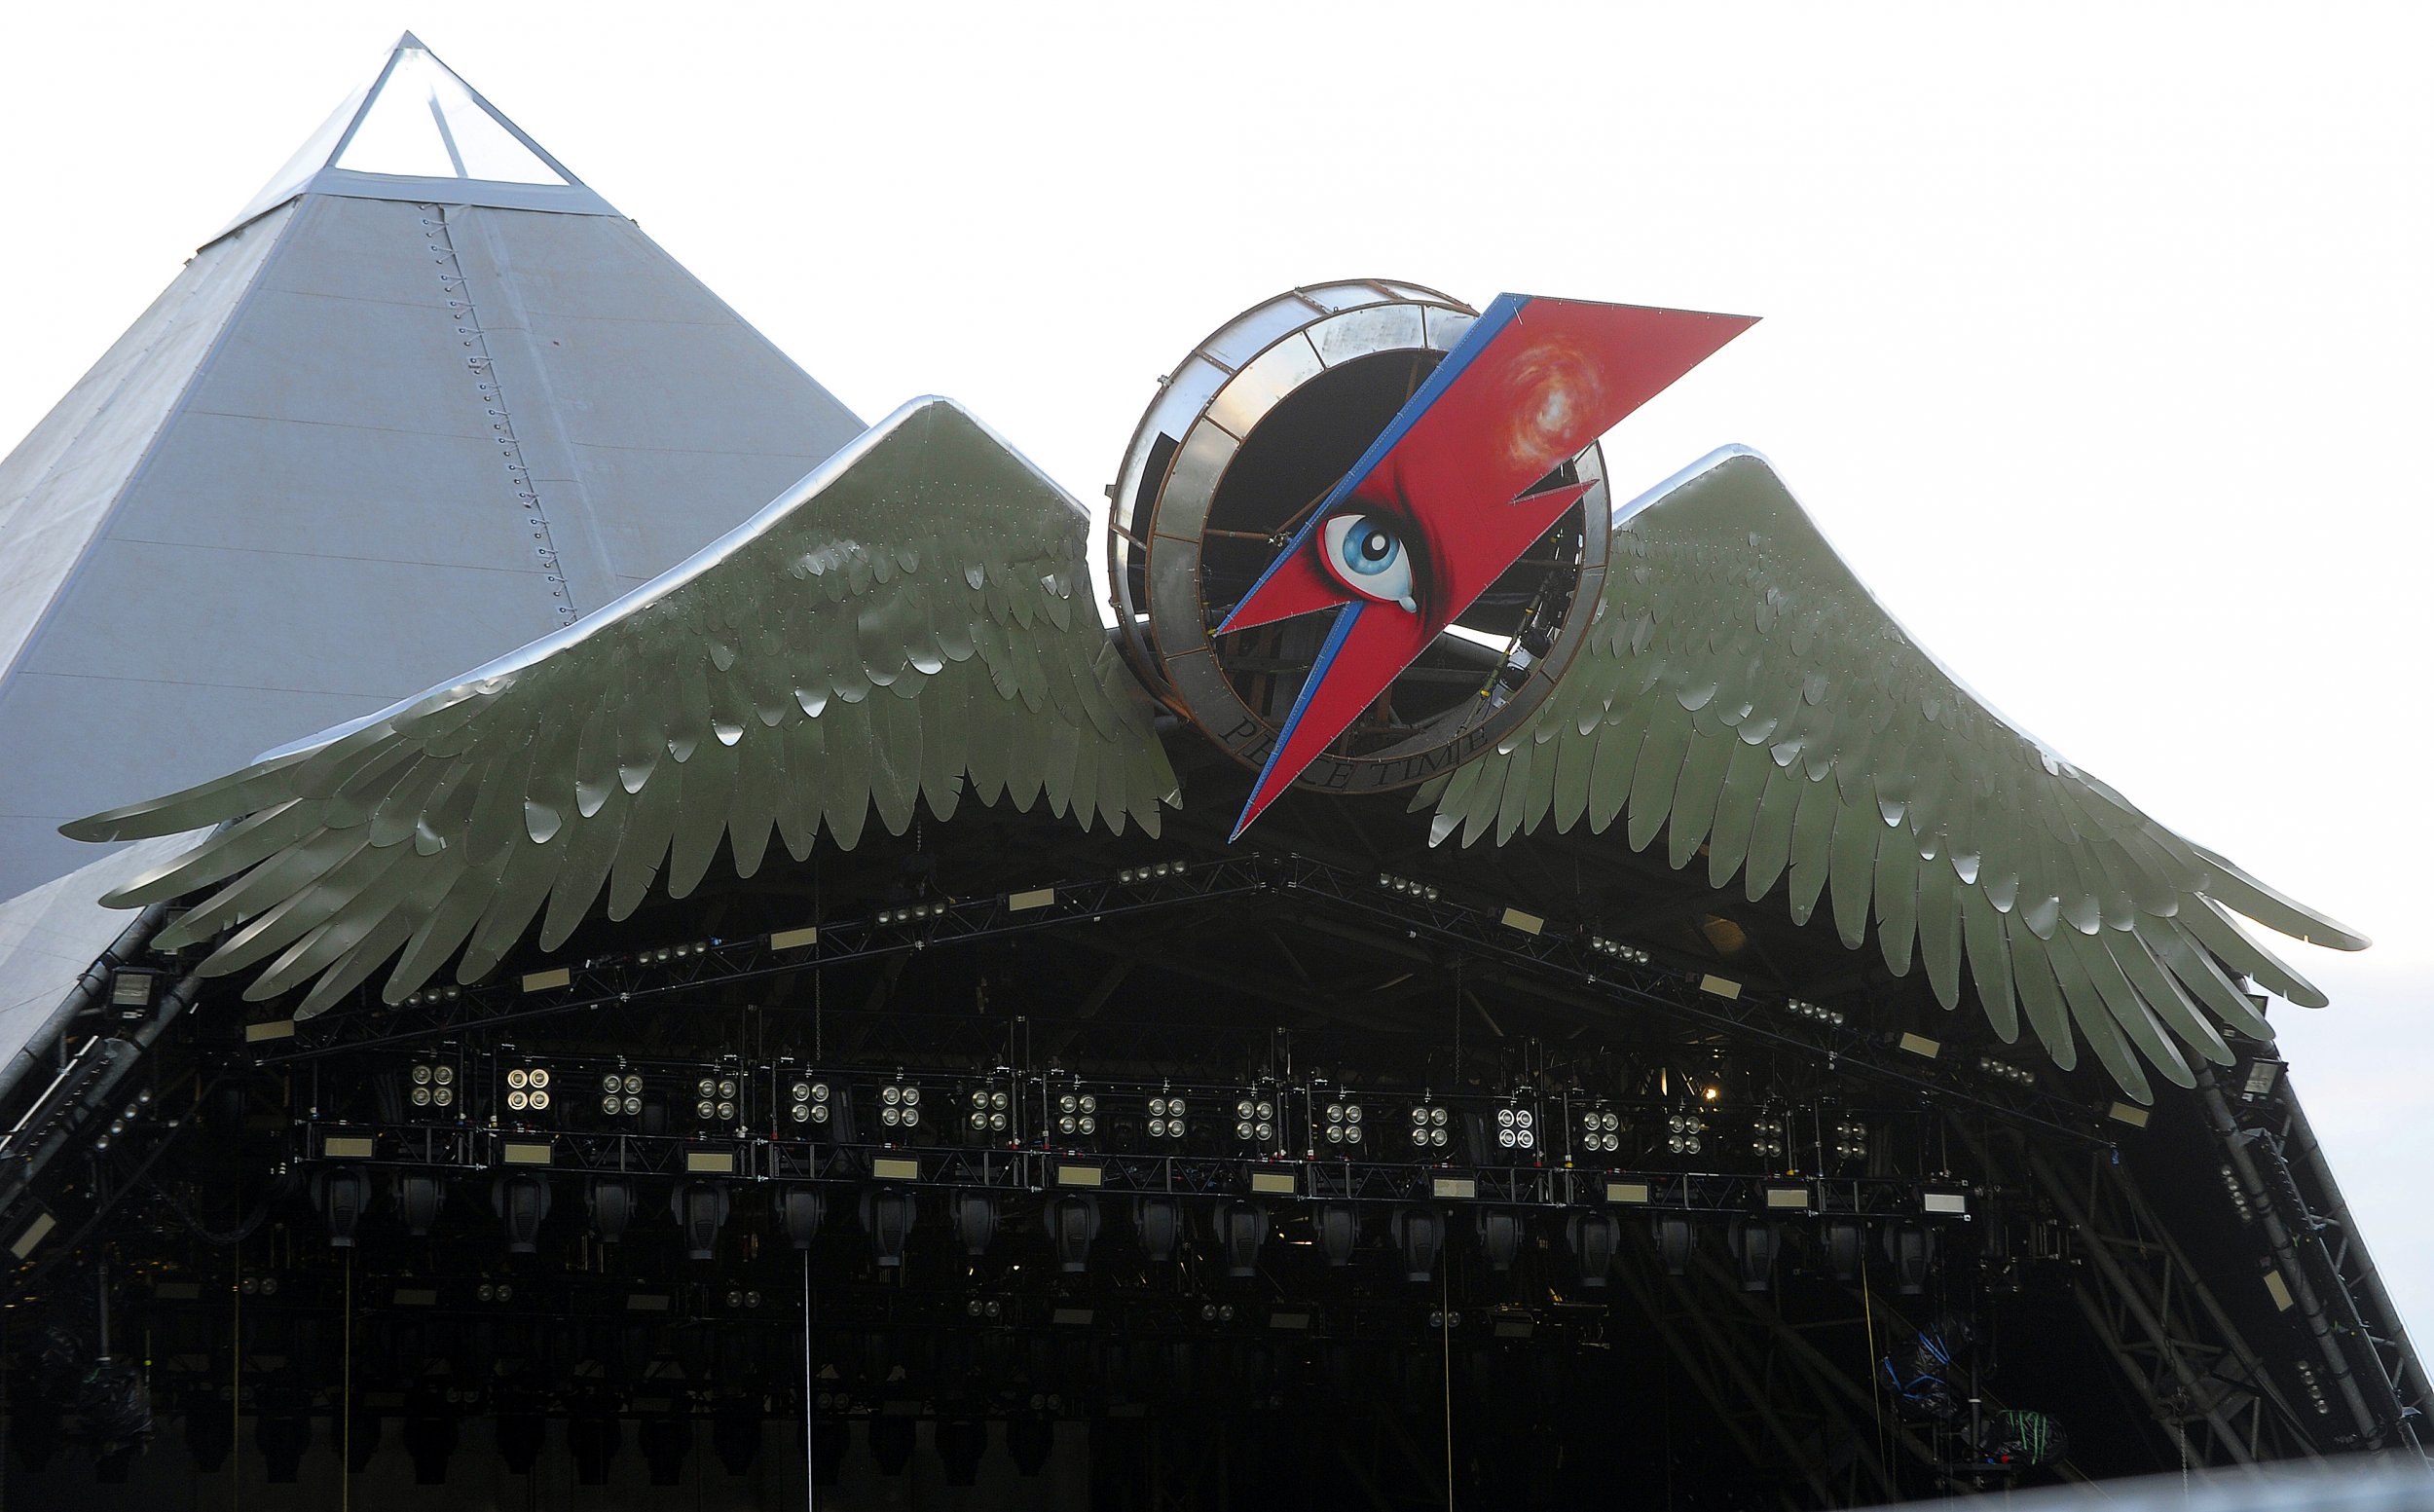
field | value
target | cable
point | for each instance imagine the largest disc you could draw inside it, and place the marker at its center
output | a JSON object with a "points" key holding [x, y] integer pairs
{"points": [[1445, 1336], [811, 1480], [347, 1392]]}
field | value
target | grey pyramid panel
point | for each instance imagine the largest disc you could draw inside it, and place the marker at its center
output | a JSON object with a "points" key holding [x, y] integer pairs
{"points": [[49, 936], [58, 483], [424, 435]]}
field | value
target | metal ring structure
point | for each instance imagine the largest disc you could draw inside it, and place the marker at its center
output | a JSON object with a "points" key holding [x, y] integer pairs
{"points": [[1244, 438]]}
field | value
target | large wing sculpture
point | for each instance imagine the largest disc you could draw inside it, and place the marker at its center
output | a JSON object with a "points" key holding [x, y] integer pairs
{"points": [[914, 618], [1741, 692]]}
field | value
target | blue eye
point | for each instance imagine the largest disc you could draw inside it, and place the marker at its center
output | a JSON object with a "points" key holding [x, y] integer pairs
{"points": [[1366, 553]]}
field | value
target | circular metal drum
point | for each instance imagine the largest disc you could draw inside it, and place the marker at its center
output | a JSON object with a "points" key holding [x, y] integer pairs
{"points": [[1245, 438]]}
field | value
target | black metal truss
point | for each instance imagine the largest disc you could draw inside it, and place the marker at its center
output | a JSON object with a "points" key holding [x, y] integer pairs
{"points": [[1561, 959]]}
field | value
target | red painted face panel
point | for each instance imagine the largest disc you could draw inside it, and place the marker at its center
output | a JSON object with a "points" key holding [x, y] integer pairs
{"points": [[1434, 511]]}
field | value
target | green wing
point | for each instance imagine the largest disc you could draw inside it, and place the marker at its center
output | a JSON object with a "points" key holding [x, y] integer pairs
{"points": [[1739, 690], [914, 621]]}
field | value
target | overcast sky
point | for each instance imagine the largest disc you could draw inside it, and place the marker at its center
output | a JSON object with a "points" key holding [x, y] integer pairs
{"points": [[2097, 338]]}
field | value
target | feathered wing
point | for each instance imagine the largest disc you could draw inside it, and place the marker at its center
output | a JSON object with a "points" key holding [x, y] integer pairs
{"points": [[1740, 691], [912, 619]]}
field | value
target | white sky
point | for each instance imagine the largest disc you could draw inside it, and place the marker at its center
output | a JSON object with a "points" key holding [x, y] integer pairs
{"points": [[2098, 338]]}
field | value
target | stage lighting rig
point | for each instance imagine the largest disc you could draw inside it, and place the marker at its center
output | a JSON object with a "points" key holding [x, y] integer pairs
{"points": [[1256, 1121], [809, 1101], [1432, 1131], [1339, 1125], [1167, 1118], [1075, 1115], [1682, 1132], [431, 1085], [1600, 1131], [527, 1089], [1850, 1140], [1766, 1140], [716, 1098], [1517, 1127], [621, 1094], [900, 1111]]}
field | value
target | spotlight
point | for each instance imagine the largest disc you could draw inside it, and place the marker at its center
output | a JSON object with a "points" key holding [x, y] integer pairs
{"points": [[1767, 1138], [527, 1089], [1517, 1128], [1240, 1227], [1255, 1120], [808, 1100], [1595, 1237], [620, 1094], [1150, 873], [1682, 1131], [1077, 1114], [431, 1085], [899, 1107], [1166, 1117], [716, 1098], [2004, 1071], [1600, 1131], [1815, 1012], [1420, 1232], [1406, 887], [1850, 1140], [1429, 1127], [1618, 950], [1343, 1124]]}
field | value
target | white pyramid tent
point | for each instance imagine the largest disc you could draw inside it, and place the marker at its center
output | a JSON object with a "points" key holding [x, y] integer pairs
{"points": [[428, 397]]}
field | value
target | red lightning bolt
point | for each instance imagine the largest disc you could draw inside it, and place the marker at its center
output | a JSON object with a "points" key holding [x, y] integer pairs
{"points": [[1434, 511]]}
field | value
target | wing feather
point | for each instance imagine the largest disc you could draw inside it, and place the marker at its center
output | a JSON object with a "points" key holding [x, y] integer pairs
{"points": [[1742, 690], [909, 617]]}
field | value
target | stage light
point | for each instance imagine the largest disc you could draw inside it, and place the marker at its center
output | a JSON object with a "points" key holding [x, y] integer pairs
{"points": [[1420, 1232], [344, 1193], [799, 1211], [1755, 1245], [888, 1216], [1150, 873], [1337, 1228], [1216, 1311], [900, 1106], [419, 1200], [1072, 1225], [1499, 1238], [808, 1100], [620, 1094], [527, 1089], [1618, 950], [700, 1208], [1815, 1012], [1843, 1239], [1240, 1229], [1767, 1138], [912, 914], [1516, 1129], [1430, 1126], [1166, 1117], [975, 1215], [1674, 1239], [2261, 1075], [2004, 1071], [521, 1201], [1255, 1120], [1158, 1221], [1682, 1131], [1594, 1237], [431, 1084], [1343, 1124], [1406, 887], [1600, 1131], [1076, 1115], [1850, 1140], [1911, 1248]]}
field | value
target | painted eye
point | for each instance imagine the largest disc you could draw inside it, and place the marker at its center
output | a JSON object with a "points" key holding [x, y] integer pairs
{"points": [[1367, 554]]}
